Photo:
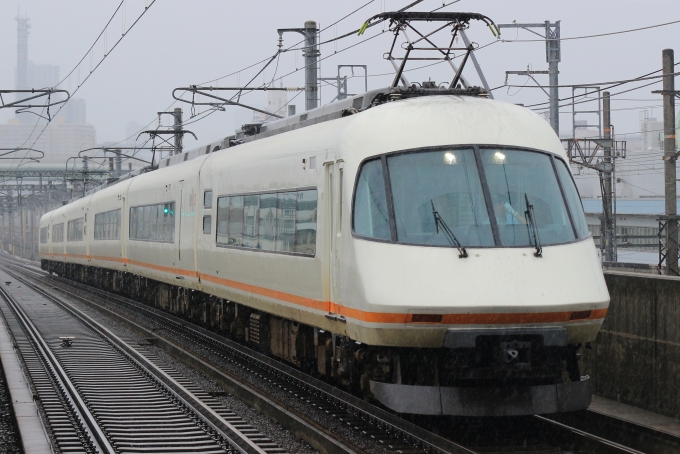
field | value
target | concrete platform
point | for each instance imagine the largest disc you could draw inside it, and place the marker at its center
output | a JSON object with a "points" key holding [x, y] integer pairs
{"points": [[31, 429], [635, 415]]}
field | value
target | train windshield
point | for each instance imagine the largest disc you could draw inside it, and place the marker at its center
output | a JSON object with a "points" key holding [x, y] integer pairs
{"points": [[519, 179], [486, 197], [443, 182]]}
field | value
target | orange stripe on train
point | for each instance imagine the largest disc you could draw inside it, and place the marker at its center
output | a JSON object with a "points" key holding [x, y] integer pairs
{"points": [[505, 318]]}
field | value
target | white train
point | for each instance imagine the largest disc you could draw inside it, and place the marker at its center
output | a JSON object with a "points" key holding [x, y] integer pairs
{"points": [[426, 247]]}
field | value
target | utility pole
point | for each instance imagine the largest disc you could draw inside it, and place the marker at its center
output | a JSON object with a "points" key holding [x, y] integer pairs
{"points": [[119, 164], [607, 221], [669, 157], [21, 222], [11, 226], [85, 169], [311, 53], [178, 127], [553, 56]]}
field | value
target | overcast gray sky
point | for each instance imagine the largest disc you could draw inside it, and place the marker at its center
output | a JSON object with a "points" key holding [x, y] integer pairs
{"points": [[177, 43]]}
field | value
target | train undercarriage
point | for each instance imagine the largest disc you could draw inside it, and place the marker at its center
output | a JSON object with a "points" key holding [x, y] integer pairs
{"points": [[517, 372]]}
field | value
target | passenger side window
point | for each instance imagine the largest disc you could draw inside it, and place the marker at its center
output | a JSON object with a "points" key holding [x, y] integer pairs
{"points": [[75, 230], [207, 199], [267, 222], [58, 233], [107, 225], [305, 222], [206, 224], [236, 221], [277, 221], [153, 222], [223, 220], [43, 235]]}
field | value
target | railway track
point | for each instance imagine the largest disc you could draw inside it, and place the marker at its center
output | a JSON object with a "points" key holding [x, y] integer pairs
{"points": [[102, 395], [338, 422], [301, 402]]}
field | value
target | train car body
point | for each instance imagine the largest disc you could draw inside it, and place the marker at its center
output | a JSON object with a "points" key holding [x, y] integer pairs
{"points": [[327, 246]]}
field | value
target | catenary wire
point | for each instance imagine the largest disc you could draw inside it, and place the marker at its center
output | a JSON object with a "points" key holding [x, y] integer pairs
{"points": [[591, 36], [92, 71], [244, 69], [590, 85], [251, 66], [600, 90]]}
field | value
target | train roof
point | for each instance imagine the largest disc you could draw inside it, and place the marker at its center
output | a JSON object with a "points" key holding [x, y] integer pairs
{"points": [[508, 133]]}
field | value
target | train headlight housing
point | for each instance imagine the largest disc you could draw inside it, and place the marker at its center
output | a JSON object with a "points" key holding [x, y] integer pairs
{"points": [[450, 158]]}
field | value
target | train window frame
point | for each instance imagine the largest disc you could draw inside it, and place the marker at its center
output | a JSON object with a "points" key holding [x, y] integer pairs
{"points": [[380, 166], [58, 226], [106, 226], [44, 238], [207, 199], [485, 187], [78, 230], [209, 219], [277, 192], [578, 193], [149, 205]]}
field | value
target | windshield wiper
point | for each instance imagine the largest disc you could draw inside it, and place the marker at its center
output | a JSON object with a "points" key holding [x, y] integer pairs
{"points": [[438, 221], [532, 228]]}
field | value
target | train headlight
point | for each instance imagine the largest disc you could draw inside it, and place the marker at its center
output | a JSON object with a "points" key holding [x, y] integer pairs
{"points": [[499, 158], [450, 158]]}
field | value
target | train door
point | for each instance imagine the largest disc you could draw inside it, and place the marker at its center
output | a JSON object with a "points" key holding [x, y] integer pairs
{"points": [[178, 213], [332, 200]]}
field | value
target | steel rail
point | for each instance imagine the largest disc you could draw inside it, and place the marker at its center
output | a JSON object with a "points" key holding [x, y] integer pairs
{"points": [[595, 438], [209, 416], [89, 422]]}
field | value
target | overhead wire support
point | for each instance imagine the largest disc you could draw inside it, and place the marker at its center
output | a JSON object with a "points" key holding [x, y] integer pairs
{"points": [[553, 56], [672, 93], [529, 73], [311, 53], [94, 66], [583, 151], [204, 91], [294, 47], [23, 105], [115, 150], [7, 151], [155, 133]]}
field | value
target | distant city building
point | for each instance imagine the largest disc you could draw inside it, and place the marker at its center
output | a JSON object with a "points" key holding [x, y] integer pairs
{"points": [[132, 129], [276, 103], [67, 134], [75, 112], [652, 133], [39, 76], [59, 142]]}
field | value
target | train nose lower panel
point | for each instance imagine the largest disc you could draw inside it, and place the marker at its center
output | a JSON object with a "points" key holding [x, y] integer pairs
{"points": [[550, 336], [460, 401]]}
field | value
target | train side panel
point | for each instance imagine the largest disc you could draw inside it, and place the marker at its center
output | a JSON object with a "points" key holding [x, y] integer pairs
{"points": [[161, 211], [287, 284], [109, 226], [77, 225]]}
